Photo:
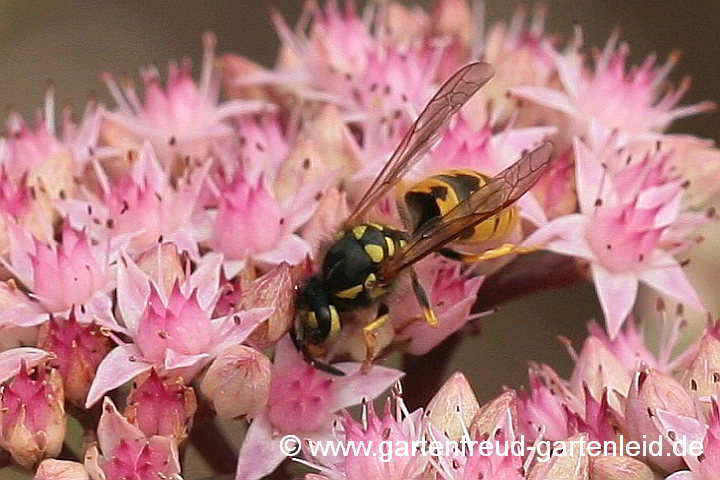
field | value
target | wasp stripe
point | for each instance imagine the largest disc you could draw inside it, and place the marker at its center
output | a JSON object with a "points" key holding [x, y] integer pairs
{"points": [[359, 231], [335, 325], [349, 293], [375, 252], [390, 246]]}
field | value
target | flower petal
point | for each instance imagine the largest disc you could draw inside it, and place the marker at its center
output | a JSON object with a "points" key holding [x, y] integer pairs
{"points": [[355, 386], [617, 293], [114, 428], [564, 235], [122, 364], [10, 360], [234, 329], [669, 278], [133, 290], [206, 279], [260, 453], [292, 249], [548, 97]]}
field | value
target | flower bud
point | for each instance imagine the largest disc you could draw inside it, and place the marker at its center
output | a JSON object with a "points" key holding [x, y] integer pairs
{"points": [[702, 375], [492, 414], [170, 264], [32, 415], [651, 390], [238, 382], [600, 370], [619, 468], [52, 469], [331, 213], [453, 407], [274, 289], [123, 452], [79, 349], [161, 407], [570, 464]]}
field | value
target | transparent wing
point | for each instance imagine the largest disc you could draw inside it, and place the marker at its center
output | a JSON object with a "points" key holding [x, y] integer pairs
{"points": [[498, 193], [426, 131]]}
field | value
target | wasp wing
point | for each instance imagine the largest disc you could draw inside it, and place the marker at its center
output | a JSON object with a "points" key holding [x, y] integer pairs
{"points": [[498, 193], [425, 132]]}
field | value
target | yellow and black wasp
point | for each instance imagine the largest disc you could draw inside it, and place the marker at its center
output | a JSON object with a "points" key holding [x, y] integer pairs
{"points": [[365, 259]]}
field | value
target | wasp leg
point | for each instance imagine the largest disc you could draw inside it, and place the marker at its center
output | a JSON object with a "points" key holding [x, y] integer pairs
{"points": [[501, 251], [423, 300], [370, 332]]}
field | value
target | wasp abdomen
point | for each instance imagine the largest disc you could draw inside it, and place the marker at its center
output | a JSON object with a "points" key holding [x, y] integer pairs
{"points": [[435, 196], [352, 264]]}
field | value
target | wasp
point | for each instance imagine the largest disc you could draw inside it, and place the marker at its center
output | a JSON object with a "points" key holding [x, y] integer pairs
{"points": [[365, 259]]}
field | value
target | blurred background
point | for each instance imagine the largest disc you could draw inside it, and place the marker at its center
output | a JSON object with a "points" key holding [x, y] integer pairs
{"points": [[70, 43]]}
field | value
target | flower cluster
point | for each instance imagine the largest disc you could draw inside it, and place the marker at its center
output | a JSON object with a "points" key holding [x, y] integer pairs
{"points": [[151, 255]]}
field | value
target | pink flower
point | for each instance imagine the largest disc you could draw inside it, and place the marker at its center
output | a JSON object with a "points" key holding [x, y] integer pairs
{"points": [[123, 451], [145, 206], [32, 413], [176, 334], [354, 64], [471, 461], [544, 408], [396, 426], [629, 345], [182, 119], [74, 271], [303, 401], [161, 407], [250, 222], [610, 98], [43, 155], [520, 55], [631, 223], [452, 292], [78, 349]]}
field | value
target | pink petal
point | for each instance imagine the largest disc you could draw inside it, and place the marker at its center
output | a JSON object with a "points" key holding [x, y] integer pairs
{"points": [[10, 360], [548, 97], [564, 235], [176, 361], [122, 364], [113, 427], [617, 293], [260, 453], [683, 475], [668, 277], [292, 249], [235, 328], [687, 428], [513, 141], [589, 176], [22, 316], [133, 290], [531, 210], [354, 386], [206, 279]]}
